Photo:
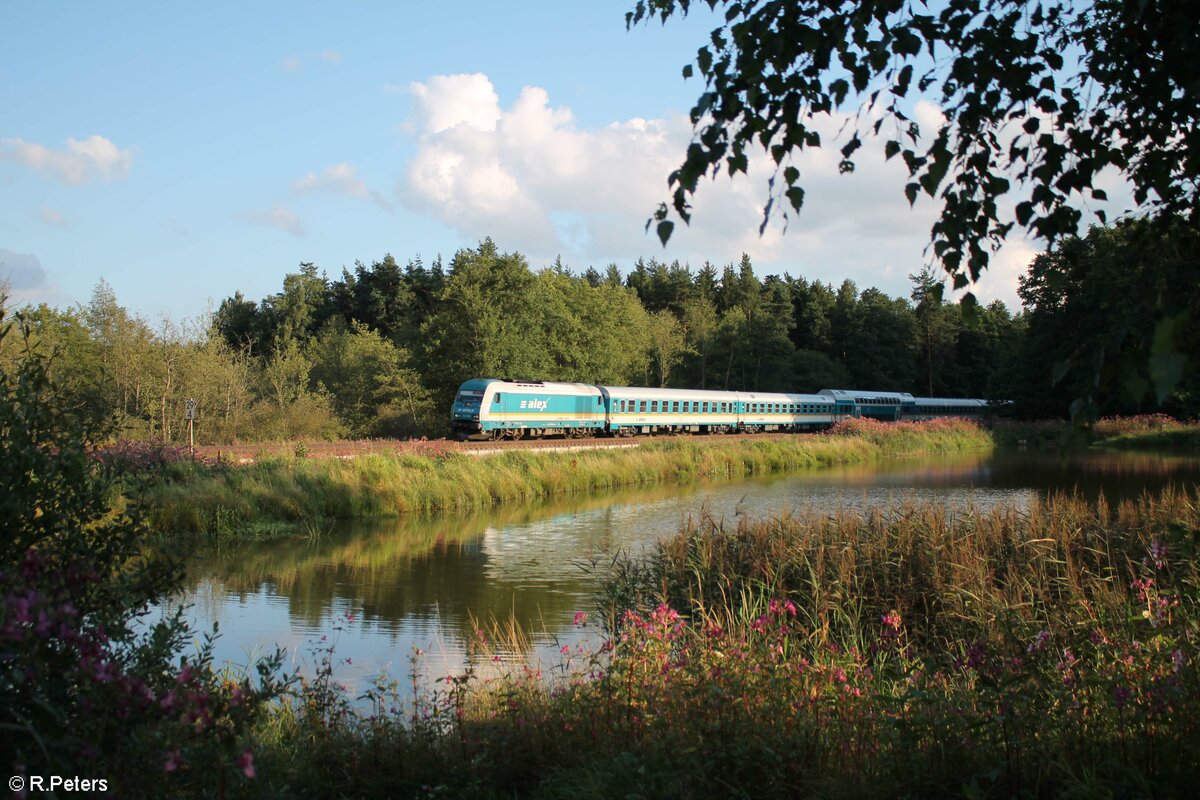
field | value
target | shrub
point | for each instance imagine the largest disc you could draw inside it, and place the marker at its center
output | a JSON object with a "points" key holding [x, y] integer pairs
{"points": [[89, 685]]}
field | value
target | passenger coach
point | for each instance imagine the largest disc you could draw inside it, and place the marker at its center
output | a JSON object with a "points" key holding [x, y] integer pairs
{"points": [[633, 410]]}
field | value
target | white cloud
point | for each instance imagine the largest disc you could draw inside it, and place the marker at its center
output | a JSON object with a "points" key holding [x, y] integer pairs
{"points": [[450, 101], [52, 217], [275, 217], [341, 179], [533, 179], [79, 162], [330, 56], [290, 64]]}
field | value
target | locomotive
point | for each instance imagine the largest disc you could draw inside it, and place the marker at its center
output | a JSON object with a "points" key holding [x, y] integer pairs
{"points": [[491, 408]]}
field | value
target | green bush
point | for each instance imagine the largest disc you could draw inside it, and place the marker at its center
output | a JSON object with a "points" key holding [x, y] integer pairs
{"points": [[91, 682]]}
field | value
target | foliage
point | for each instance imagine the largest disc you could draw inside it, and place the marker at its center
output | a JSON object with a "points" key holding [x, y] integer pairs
{"points": [[380, 352], [1138, 281], [1039, 97], [91, 683]]}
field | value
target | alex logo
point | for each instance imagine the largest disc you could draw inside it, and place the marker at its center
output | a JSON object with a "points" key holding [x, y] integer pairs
{"points": [[534, 405]]}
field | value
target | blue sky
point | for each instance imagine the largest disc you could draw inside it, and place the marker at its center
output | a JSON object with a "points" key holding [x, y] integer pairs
{"points": [[184, 152]]}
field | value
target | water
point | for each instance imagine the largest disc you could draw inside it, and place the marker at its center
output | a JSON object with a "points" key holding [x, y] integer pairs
{"points": [[380, 590]]}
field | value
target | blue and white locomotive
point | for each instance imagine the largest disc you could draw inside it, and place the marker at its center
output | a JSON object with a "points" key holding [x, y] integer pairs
{"points": [[503, 409]]}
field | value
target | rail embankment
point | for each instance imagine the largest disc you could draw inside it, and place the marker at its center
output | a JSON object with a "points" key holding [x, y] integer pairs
{"points": [[194, 497]]}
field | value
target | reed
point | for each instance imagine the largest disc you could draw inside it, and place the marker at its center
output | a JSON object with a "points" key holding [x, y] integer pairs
{"points": [[898, 653]]}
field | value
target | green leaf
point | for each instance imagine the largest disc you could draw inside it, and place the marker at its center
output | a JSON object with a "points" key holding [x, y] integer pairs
{"points": [[664, 230], [1024, 212], [795, 196]]}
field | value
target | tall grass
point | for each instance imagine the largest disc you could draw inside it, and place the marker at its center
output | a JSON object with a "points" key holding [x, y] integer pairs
{"points": [[191, 498], [910, 653]]}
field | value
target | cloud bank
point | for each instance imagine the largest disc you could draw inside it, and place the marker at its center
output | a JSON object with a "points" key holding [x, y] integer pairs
{"points": [[79, 162], [528, 175]]}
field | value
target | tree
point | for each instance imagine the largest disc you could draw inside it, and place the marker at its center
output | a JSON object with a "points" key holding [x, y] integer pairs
{"points": [[699, 327], [667, 344], [931, 321], [371, 387], [484, 325], [1039, 96], [1103, 312]]}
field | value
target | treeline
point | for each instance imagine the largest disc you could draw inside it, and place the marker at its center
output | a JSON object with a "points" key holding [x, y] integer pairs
{"points": [[380, 350]]}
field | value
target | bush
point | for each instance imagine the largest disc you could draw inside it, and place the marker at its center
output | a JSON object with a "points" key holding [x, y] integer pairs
{"points": [[89, 685]]}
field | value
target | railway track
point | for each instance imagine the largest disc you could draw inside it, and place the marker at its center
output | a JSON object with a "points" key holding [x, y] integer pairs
{"points": [[248, 453]]}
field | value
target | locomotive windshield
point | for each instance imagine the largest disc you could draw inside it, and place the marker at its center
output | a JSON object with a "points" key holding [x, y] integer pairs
{"points": [[469, 397]]}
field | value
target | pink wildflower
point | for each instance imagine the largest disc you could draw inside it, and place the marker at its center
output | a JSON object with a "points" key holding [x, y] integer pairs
{"points": [[580, 617], [174, 761], [246, 763]]}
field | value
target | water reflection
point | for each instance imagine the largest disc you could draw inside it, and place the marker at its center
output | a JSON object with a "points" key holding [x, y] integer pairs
{"points": [[419, 582]]}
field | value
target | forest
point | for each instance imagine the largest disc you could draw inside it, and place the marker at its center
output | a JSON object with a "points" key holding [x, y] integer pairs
{"points": [[379, 350]]}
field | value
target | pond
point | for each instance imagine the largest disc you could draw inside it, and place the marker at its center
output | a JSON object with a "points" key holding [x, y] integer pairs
{"points": [[380, 590]]}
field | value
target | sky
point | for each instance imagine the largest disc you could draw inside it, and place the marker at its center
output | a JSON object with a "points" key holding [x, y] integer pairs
{"points": [[183, 152]]}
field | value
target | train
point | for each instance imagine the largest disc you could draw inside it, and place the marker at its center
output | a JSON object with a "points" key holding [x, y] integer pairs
{"points": [[493, 408]]}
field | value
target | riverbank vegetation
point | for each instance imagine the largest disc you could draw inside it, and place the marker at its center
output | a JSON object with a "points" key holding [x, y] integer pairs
{"points": [[906, 652], [903, 652], [1140, 432], [192, 497]]}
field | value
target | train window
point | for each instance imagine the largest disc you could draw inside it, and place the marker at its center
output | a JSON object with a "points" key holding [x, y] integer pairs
{"points": [[704, 407], [599, 401], [496, 399], [724, 408], [653, 406], [642, 406]]}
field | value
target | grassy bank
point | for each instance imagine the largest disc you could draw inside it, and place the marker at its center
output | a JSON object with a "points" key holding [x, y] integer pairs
{"points": [[192, 498], [1143, 432], [910, 653]]}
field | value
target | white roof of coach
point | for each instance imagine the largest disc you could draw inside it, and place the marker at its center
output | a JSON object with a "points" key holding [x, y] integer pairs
{"points": [[669, 394], [778, 397], [850, 394], [950, 401]]}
